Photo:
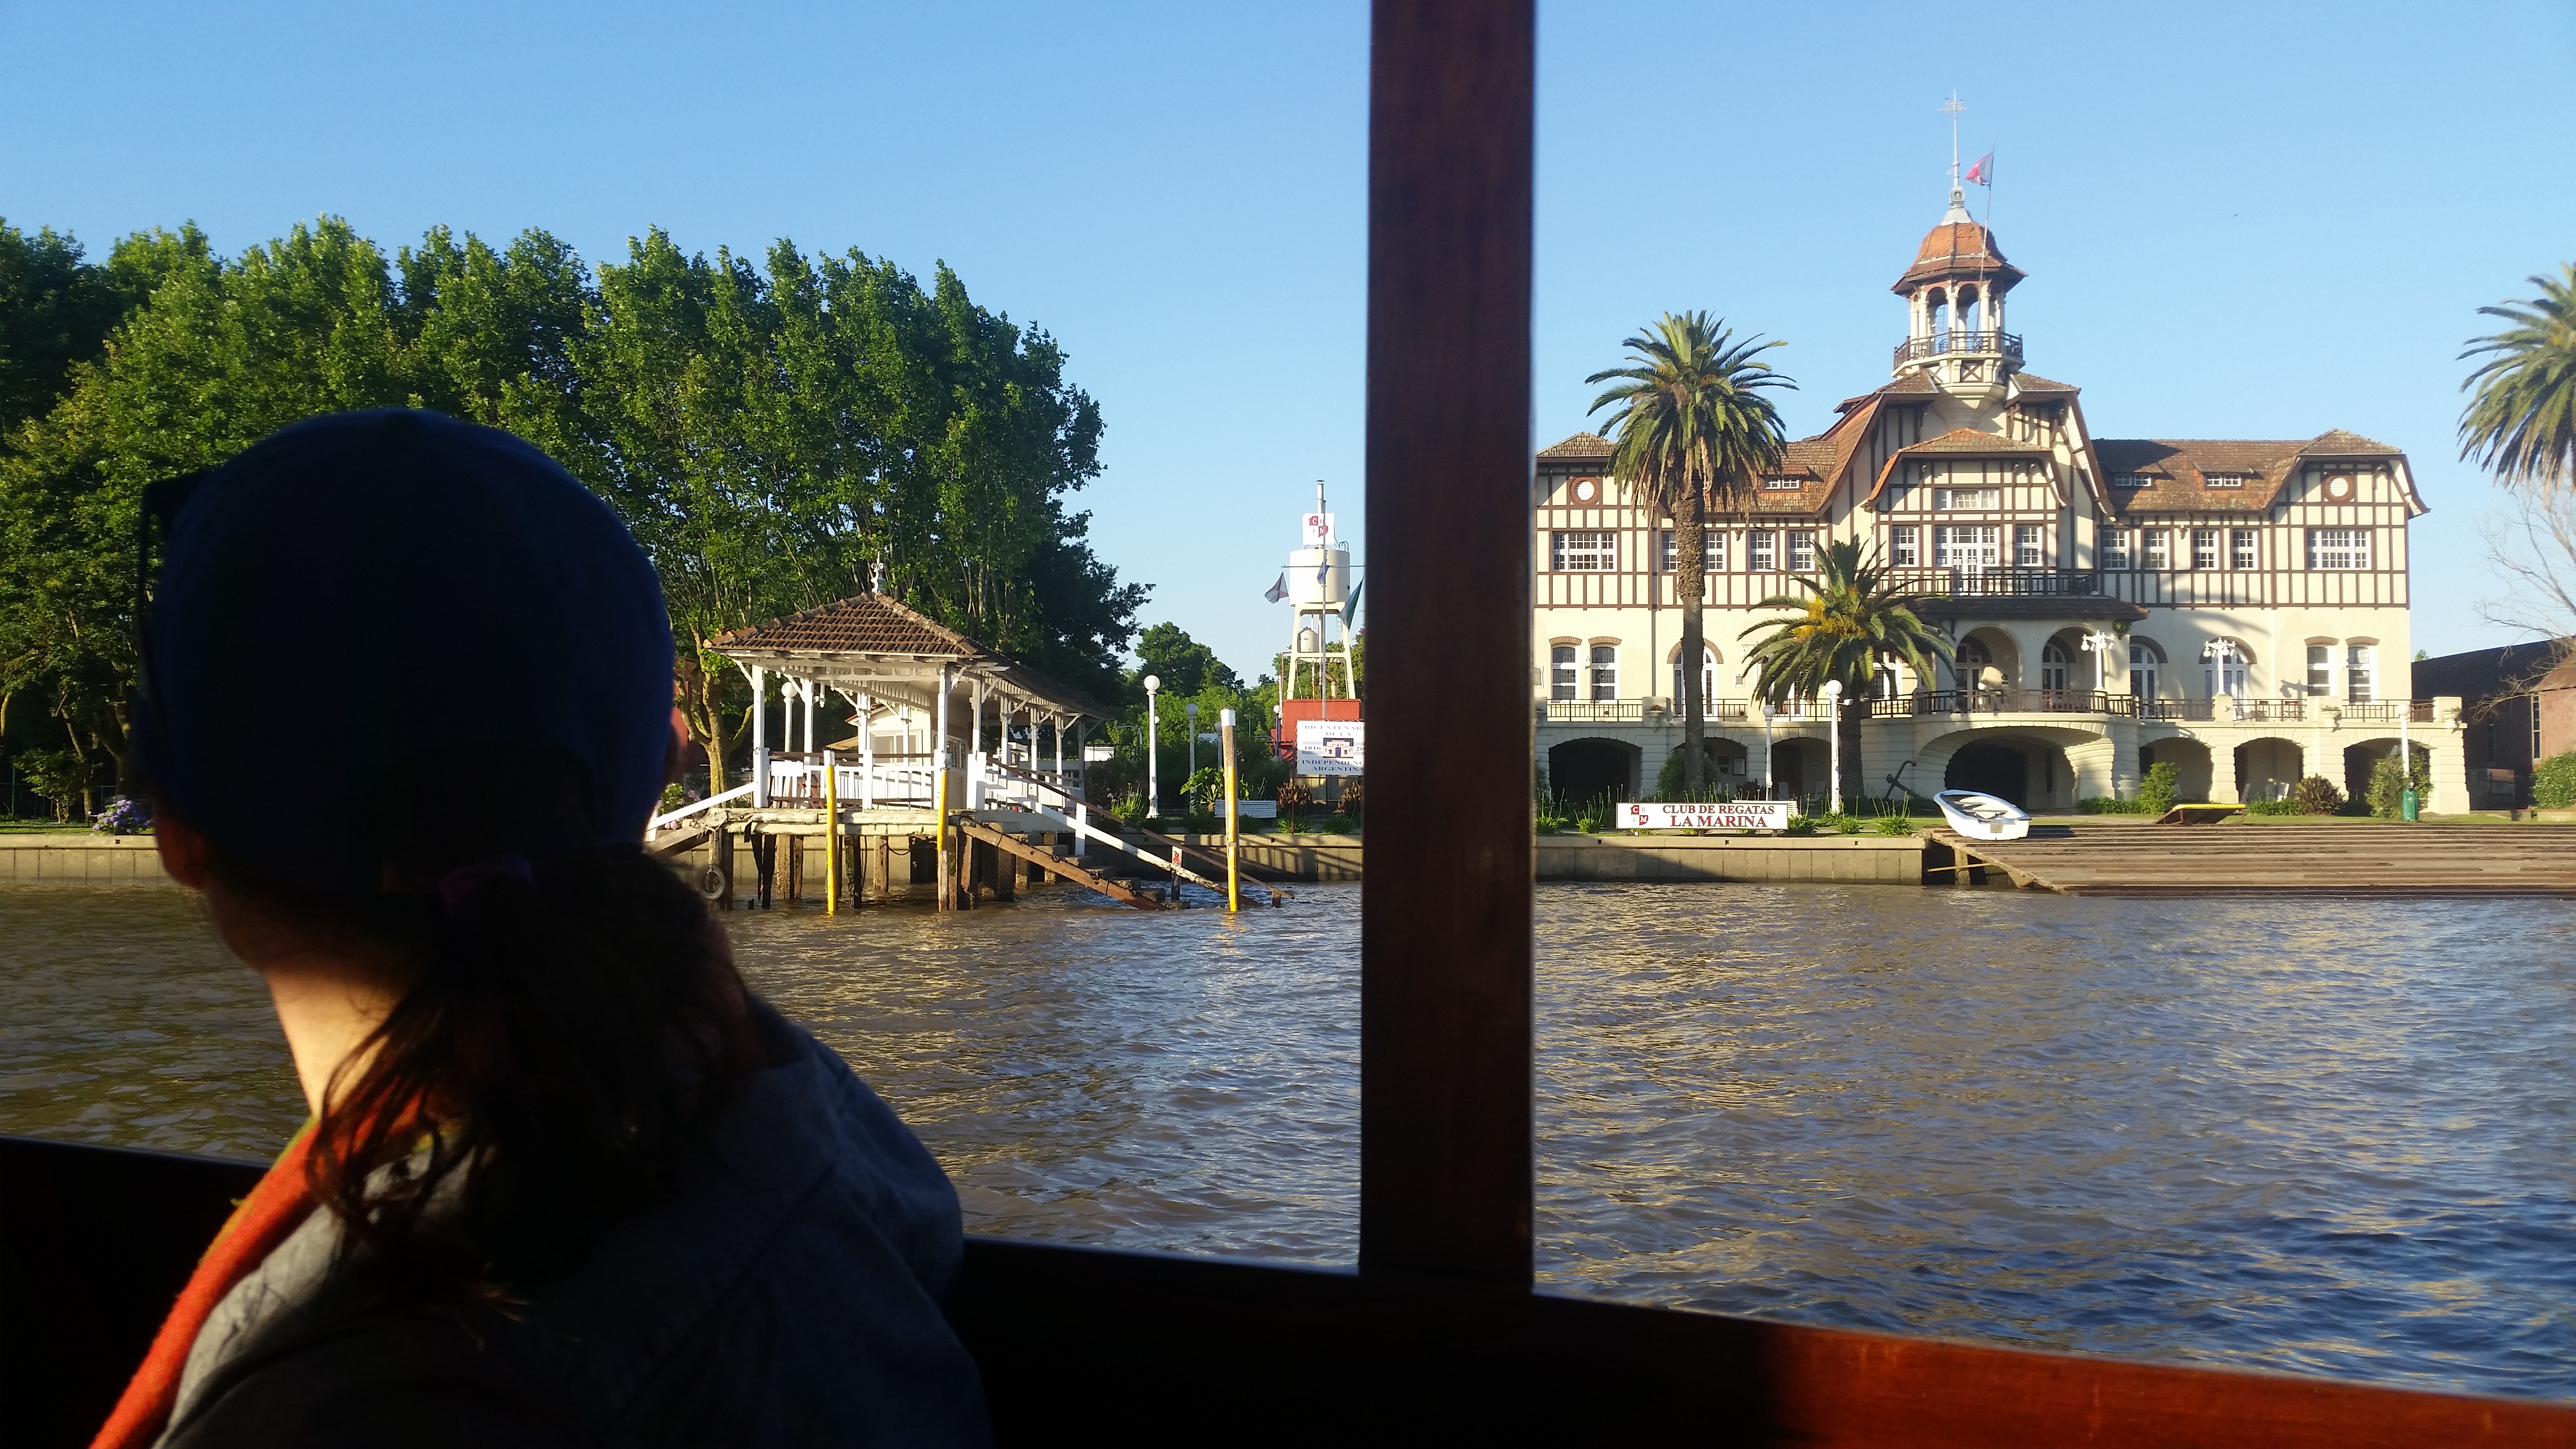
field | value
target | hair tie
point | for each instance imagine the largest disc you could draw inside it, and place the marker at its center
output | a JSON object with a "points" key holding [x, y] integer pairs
{"points": [[465, 880]]}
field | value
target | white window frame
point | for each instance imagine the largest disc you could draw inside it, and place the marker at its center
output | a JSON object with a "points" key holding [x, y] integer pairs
{"points": [[2222, 480], [1904, 547], [1783, 485], [2155, 548], [1583, 550], [1802, 550], [1982, 548], [2320, 670], [2244, 549], [1761, 550], [2030, 551], [2145, 669], [2339, 549], [2204, 557], [1967, 500], [2132, 480], [1564, 672], [2115, 548], [2360, 673], [1601, 676], [1707, 680]]}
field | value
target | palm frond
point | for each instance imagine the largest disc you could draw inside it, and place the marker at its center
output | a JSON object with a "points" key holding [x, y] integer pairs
{"points": [[2521, 423]]}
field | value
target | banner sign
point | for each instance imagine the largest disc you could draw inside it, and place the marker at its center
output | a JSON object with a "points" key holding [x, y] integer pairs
{"points": [[1332, 746], [1317, 530], [1728, 815]]}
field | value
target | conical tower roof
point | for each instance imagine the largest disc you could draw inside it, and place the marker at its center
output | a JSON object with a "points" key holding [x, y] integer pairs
{"points": [[1961, 248]]}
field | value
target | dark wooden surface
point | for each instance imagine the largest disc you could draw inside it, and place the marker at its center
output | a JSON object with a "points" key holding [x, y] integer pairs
{"points": [[2337, 857], [1445, 923], [1078, 1343]]}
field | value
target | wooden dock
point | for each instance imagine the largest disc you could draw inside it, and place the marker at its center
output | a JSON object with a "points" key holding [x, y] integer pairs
{"points": [[2339, 858]]}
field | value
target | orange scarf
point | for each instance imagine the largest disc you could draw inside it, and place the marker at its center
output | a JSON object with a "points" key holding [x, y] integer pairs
{"points": [[274, 1209]]}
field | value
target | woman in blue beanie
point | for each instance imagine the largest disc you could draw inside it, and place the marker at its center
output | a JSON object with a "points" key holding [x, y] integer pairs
{"points": [[568, 1181]]}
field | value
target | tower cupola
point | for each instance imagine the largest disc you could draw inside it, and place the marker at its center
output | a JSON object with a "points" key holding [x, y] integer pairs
{"points": [[1954, 298]]}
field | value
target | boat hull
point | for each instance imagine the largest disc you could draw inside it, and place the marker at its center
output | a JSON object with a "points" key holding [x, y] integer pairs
{"points": [[1982, 817]]}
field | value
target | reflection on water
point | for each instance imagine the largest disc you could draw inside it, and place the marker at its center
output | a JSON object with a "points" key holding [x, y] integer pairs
{"points": [[2330, 1136]]}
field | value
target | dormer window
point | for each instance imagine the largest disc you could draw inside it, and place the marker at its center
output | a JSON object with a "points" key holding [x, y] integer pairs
{"points": [[1949, 498], [2223, 480], [2132, 480], [1782, 485]]}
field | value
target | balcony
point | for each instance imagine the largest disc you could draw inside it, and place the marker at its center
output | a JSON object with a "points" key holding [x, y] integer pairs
{"points": [[1938, 702], [1967, 344], [1998, 582], [2416, 711], [1646, 711]]}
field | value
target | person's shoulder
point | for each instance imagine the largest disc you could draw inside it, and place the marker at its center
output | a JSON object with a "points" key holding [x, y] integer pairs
{"points": [[421, 1377]]}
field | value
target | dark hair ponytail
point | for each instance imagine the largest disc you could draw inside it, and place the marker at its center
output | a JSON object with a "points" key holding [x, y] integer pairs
{"points": [[572, 1025]]}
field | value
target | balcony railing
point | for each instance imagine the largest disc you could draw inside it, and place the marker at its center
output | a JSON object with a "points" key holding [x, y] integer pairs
{"points": [[2416, 711], [1962, 583], [1638, 711], [1934, 702], [1974, 344], [2271, 711]]}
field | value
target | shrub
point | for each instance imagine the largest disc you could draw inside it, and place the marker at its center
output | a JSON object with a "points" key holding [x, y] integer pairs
{"points": [[2112, 805], [1354, 801], [2316, 795], [1128, 809], [123, 817], [1894, 821], [1204, 792], [1296, 801], [2389, 780], [2156, 792], [1839, 820], [1800, 824], [673, 797], [2271, 807], [1668, 783], [1335, 825], [58, 775], [2553, 782]]}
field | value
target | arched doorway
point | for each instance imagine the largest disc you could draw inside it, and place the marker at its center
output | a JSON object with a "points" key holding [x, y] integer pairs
{"points": [[1800, 769], [1990, 767], [2190, 759], [2361, 759], [1726, 773], [2266, 769], [1580, 772]]}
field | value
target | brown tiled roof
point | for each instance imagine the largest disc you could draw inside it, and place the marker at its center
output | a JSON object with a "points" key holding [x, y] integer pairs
{"points": [[1959, 249], [868, 624], [1969, 442], [1912, 384], [2033, 382], [1582, 446], [2181, 468]]}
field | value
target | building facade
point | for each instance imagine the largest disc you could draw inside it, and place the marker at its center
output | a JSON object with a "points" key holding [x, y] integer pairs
{"points": [[2237, 608]]}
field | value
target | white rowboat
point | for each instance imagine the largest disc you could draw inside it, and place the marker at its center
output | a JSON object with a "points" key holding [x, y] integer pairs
{"points": [[1982, 817]]}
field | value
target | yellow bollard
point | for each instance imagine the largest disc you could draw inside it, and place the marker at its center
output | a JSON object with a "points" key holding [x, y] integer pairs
{"points": [[831, 835], [1233, 838]]}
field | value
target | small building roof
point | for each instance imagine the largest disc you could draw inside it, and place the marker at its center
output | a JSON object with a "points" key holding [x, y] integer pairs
{"points": [[2177, 470], [1582, 447], [873, 645], [2483, 674]]}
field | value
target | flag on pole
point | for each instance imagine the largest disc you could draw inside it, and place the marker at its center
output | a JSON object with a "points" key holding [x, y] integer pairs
{"points": [[1278, 590], [1351, 605], [1983, 173]]}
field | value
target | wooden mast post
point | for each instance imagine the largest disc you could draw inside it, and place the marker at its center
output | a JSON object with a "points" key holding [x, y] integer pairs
{"points": [[831, 835], [1233, 837], [939, 796]]}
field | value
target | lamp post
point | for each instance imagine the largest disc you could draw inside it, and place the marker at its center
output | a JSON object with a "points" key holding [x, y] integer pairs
{"points": [[1153, 774], [1833, 696], [1767, 773]]}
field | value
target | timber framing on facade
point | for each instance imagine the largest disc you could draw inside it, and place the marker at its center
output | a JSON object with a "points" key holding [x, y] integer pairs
{"points": [[2236, 607]]}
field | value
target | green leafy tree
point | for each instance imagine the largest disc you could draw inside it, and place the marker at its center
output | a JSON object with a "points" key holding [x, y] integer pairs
{"points": [[1849, 618], [2520, 423], [1693, 431], [2162, 783]]}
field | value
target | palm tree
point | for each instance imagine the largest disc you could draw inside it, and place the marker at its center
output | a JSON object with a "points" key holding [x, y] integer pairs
{"points": [[2521, 425], [1850, 618], [1693, 430]]}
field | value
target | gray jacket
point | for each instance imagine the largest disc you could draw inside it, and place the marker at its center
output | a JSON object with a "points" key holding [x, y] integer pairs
{"points": [[789, 1296]]}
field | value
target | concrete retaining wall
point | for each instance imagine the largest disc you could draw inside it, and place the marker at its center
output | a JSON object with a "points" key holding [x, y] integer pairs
{"points": [[1840, 859], [73, 858]]}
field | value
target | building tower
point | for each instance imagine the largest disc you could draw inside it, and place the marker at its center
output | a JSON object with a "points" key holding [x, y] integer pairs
{"points": [[1954, 298], [1317, 587]]}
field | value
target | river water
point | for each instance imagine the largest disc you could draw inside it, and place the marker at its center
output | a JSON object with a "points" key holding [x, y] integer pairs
{"points": [[2318, 1136]]}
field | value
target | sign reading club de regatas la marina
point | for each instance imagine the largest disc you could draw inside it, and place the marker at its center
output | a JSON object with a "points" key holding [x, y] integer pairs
{"points": [[1729, 815]]}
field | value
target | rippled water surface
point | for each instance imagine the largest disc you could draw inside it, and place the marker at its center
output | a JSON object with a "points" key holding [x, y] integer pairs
{"points": [[2326, 1136]]}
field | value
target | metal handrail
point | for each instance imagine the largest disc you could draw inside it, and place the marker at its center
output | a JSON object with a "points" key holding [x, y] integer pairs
{"points": [[1998, 582], [2001, 700], [1945, 344]]}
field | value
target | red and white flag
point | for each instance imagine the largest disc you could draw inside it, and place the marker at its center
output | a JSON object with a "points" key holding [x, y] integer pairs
{"points": [[1983, 173]]}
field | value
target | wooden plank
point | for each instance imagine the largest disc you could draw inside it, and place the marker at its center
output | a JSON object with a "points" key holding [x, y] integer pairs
{"points": [[1445, 922], [1003, 840]]}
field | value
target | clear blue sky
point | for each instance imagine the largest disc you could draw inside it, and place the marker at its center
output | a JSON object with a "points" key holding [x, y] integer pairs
{"points": [[2239, 220]]}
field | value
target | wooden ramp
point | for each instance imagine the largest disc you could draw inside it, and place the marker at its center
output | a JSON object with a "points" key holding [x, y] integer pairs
{"points": [[1063, 865], [1212, 862], [2339, 858]]}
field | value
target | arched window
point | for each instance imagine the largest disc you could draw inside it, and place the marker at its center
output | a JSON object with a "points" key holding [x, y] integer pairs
{"points": [[1561, 672], [1971, 660], [2224, 675], [1937, 312], [1707, 680], [2056, 668], [2145, 663]]}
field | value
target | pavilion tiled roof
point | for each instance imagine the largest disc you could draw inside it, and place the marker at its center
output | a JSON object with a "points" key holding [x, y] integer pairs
{"points": [[1582, 447], [1959, 248], [2178, 469], [868, 624], [1971, 443], [2033, 382]]}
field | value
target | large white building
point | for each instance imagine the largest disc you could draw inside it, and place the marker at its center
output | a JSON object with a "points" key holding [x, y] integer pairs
{"points": [[2235, 607]]}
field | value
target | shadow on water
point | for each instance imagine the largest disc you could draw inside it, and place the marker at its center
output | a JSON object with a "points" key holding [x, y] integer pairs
{"points": [[2330, 1136]]}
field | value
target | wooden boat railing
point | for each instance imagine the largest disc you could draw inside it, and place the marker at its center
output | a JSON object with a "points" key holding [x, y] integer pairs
{"points": [[1439, 1334]]}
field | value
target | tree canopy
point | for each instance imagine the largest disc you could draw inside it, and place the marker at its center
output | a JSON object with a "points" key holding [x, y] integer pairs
{"points": [[777, 434], [2521, 419]]}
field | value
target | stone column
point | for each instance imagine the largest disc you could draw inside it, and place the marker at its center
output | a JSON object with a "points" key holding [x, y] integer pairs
{"points": [[2446, 743]]}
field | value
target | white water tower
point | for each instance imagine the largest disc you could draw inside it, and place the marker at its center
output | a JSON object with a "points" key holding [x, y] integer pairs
{"points": [[1319, 585]]}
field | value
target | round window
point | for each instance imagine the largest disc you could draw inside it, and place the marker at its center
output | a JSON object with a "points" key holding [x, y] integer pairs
{"points": [[1586, 489], [2339, 488]]}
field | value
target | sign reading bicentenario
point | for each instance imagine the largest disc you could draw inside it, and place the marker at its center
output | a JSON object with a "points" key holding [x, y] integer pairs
{"points": [[1680, 815], [1331, 746]]}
